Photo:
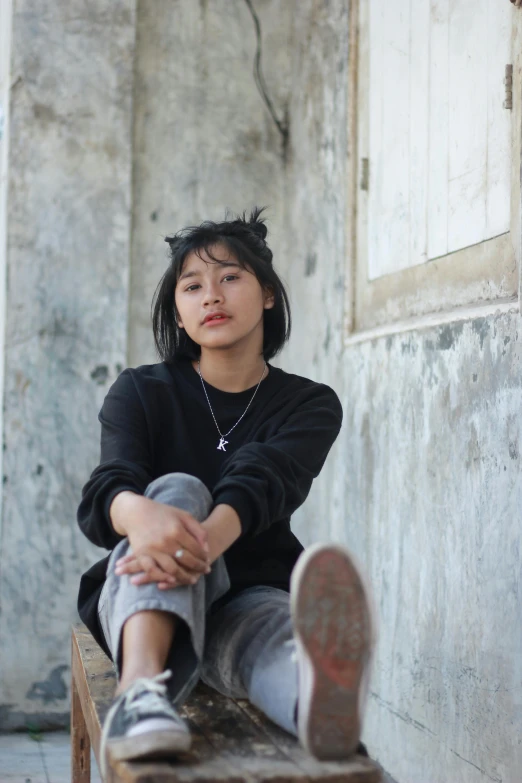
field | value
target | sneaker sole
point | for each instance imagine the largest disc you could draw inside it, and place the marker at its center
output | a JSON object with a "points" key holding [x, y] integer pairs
{"points": [[152, 744], [332, 627]]}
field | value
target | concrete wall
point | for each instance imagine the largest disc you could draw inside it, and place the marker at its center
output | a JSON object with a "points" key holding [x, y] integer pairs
{"points": [[68, 232], [424, 479], [203, 138], [6, 14]]}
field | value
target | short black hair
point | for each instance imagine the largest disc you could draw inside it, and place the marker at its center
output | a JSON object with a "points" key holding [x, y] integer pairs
{"points": [[245, 239]]}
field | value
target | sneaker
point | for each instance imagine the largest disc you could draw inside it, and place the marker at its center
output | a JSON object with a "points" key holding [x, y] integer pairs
{"points": [[333, 637], [142, 723]]}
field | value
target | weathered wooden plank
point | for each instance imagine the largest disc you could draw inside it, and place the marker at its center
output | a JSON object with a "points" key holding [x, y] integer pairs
{"points": [[498, 175], [228, 728], [231, 740], [177, 772], [238, 739], [372, 23], [80, 742], [468, 107], [360, 771], [95, 681], [439, 138], [419, 90], [362, 768], [389, 101]]}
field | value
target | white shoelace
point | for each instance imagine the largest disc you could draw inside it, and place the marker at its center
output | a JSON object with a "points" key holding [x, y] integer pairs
{"points": [[152, 698]]}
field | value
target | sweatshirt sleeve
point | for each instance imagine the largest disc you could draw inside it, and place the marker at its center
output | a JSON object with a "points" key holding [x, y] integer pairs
{"points": [[125, 460], [265, 482]]}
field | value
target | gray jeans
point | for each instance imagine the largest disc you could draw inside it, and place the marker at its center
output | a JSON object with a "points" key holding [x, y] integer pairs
{"points": [[243, 648]]}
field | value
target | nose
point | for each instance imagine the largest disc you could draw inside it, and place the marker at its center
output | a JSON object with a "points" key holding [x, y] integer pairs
{"points": [[212, 293]]}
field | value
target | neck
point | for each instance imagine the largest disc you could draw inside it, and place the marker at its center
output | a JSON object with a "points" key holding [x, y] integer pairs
{"points": [[231, 374]]}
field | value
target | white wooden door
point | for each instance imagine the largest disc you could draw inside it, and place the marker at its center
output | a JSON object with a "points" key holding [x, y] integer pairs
{"points": [[438, 134]]}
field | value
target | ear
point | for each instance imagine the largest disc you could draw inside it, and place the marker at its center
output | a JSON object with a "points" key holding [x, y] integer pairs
{"points": [[178, 320], [269, 299]]}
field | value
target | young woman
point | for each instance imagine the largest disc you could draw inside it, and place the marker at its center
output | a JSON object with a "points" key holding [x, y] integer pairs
{"points": [[204, 457]]}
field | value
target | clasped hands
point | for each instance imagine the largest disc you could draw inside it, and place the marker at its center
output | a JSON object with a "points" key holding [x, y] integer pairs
{"points": [[156, 532]]}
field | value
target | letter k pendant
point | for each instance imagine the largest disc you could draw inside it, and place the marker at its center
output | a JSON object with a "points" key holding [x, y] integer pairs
{"points": [[222, 444]]}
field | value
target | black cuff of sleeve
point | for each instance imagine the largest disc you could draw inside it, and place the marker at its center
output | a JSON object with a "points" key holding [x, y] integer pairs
{"points": [[240, 502], [108, 500]]}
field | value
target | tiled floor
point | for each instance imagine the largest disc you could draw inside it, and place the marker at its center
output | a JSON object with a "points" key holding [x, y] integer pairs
{"points": [[24, 760]]}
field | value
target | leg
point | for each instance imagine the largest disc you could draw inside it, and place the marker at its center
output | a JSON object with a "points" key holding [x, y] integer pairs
{"points": [[146, 629], [249, 653], [146, 640], [171, 620], [302, 656]]}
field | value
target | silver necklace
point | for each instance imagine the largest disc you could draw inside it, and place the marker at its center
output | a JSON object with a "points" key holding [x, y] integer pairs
{"points": [[222, 441]]}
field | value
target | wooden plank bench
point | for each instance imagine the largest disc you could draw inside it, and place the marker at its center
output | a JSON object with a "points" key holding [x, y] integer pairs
{"points": [[231, 739]]}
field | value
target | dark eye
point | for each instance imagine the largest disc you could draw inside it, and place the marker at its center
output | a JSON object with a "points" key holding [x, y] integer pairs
{"points": [[191, 287], [235, 277]]}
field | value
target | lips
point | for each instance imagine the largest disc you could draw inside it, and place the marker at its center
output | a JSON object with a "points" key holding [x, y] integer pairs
{"points": [[216, 317]]}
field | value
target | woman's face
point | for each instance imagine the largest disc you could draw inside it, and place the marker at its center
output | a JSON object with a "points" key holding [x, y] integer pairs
{"points": [[205, 287]]}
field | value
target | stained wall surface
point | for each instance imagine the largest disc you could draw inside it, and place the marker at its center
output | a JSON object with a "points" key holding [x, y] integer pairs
{"points": [[204, 141], [424, 480], [68, 250]]}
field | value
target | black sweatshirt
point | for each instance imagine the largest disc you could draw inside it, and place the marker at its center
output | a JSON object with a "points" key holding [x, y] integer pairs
{"points": [[156, 419]]}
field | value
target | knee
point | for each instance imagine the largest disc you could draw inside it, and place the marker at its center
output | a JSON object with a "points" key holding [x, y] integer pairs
{"points": [[183, 480], [178, 488]]}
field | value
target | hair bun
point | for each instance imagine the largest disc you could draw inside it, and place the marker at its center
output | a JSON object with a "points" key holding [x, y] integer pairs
{"points": [[258, 228], [256, 223]]}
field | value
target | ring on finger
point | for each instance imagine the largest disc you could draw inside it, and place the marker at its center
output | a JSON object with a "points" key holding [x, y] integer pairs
{"points": [[179, 553]]}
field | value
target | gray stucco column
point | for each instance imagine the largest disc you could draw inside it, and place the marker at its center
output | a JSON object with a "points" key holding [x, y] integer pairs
{"points": [[68, 238]]}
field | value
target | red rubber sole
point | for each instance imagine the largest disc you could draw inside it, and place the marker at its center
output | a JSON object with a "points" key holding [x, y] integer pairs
{"points": [[332, 622]]}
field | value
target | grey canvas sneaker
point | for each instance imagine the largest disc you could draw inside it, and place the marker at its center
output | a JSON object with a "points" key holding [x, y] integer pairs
{"points": [[334, 637], [142, 723]]}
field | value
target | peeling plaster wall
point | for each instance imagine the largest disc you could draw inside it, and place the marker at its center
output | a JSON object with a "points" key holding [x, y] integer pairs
{"points": [[314, 253], [68, 233], [423, 482], [203, 137], [6, 12], [432, 499]]}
